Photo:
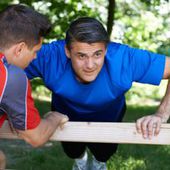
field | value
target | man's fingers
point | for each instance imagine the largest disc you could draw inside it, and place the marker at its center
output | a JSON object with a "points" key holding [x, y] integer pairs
{"points": [[138, 125], [148, 126], [64, 119], [144, 127], [60, 118], [157, 128], [151, 128]]}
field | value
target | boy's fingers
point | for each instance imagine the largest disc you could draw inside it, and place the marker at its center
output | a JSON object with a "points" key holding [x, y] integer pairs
{"points": [[63, 121]]}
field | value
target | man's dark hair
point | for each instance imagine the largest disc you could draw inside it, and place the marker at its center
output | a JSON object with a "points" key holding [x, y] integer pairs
{"points": [[21, 23], [86, 29]]}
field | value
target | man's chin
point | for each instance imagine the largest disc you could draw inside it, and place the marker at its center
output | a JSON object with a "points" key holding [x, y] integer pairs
{"points": [[87, 79]]}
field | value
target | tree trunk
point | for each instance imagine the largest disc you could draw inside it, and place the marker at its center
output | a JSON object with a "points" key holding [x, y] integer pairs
{"points": [[110, 19]]}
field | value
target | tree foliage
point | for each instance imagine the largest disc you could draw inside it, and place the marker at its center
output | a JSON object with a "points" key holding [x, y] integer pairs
{"points": [[61, 13], [144, 24], [139, 23]]}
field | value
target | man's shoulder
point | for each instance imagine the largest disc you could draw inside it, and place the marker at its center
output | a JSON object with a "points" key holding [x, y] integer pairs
{"points": [[15, 75], [53, 53], [116, 49], [11, 75], [14, 80], [54, 44], [116, 46], [53, 49]]}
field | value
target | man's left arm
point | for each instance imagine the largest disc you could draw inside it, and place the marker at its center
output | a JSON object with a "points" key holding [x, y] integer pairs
{"points": [[166, 74], [150, 125]]}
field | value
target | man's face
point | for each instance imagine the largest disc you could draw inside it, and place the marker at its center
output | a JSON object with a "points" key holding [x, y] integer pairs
{"points": [[26, 55], [87, 59]]}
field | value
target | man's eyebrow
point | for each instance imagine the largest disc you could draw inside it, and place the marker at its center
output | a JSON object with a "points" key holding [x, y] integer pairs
{"points": [[79, 52], [98, 51]]}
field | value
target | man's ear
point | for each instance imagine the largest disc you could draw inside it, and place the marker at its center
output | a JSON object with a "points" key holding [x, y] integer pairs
{"points": [[19, 48], [67, 51]]}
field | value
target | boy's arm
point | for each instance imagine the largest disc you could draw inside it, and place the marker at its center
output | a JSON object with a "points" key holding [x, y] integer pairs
{"points": [[18, 104], [41, 134]]}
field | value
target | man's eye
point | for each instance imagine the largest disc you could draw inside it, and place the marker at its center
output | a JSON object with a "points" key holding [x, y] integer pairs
{"points": [[81, 56], [98, 54]]}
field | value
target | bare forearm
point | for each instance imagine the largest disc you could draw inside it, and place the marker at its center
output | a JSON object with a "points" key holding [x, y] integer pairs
{"points": [[150, 125], [166, 74], [164, 108], [41, 134]]}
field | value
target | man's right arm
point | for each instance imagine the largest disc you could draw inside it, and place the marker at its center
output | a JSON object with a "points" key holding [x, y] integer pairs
{"points": [[41, 134], [18, 104]]}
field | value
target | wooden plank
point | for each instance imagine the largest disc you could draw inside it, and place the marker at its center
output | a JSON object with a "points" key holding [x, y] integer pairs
{"points": [[101, 133], [6, 133]]}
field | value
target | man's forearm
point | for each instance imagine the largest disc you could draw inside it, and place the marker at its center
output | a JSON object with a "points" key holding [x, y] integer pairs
{"points": [[38, 136], [164, 108]]}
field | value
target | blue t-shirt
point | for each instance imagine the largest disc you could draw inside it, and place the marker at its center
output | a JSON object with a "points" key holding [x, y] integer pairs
{"points": [[102, 99]]}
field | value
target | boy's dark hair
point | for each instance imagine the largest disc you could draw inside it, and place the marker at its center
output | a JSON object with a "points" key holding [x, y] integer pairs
{"points": [[86, 29], [21, 23]]}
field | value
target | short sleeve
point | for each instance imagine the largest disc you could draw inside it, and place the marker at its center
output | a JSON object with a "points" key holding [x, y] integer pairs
{"points": [[147, 67], [17, 101], [49, 63], [49, 55]]}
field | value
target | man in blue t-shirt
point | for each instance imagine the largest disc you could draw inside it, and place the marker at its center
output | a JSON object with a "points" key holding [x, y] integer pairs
{"points": [[88, 77]]}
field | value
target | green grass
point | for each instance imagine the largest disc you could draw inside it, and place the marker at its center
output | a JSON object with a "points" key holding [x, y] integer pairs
{"points": [[22, 156]]}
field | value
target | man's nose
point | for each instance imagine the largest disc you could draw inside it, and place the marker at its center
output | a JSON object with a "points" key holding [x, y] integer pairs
{"points": [[90, 63]]}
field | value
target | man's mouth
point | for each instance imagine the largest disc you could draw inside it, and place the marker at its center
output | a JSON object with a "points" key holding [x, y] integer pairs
{"points": [[89, 72]]}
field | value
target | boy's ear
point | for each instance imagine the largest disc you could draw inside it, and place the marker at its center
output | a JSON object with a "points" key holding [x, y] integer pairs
{"points": [[67, 51], [19, 48]]}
